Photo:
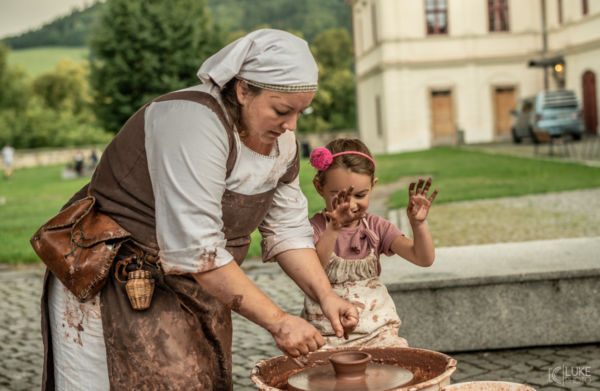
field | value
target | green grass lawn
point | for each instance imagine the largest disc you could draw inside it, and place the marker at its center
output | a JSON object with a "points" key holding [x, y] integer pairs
{"points": [[39, 60], [32, 196], [463, 174]]}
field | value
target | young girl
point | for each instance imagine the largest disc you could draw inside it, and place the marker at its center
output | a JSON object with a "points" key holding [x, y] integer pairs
{"points": [[349, 242]]}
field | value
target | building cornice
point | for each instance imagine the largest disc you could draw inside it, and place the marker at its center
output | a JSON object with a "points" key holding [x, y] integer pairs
{"points": [[421, 65], [474, 61], [578, 48], [443, 39], [574, 23]]}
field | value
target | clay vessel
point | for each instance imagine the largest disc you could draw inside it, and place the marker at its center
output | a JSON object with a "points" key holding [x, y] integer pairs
{"points": [[350, 365]]}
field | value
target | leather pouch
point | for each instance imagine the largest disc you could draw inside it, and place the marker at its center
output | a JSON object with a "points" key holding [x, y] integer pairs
{"points": [[78, 246]]}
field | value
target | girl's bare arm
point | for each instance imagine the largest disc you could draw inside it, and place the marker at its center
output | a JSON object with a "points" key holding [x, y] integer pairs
{"points": [[326, 244], [419, 250]]}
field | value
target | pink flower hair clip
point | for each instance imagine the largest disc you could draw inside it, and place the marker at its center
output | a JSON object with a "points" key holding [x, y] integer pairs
{"points": [[321, 158]]}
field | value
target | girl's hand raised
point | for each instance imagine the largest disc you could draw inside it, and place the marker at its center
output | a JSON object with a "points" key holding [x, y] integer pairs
{"points": [[418, 202], [342, 214]]}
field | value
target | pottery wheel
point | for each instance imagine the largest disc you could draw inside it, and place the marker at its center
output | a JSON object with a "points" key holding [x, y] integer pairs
{"points": [[378, 377]]}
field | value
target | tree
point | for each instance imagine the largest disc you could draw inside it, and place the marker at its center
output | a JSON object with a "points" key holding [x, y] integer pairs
{"points": [[54, 115], [308, 16], [14, 90], [144, 48], [333, 49], [334, 106], [70, 30], [14, 98], [65, 88]]}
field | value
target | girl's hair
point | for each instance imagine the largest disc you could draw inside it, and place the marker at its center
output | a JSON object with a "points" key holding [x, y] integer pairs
{"points": [[355, 163], [230, 100]]}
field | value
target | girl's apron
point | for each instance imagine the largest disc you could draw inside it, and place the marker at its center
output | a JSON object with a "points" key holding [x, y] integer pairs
{"points": [[357, 281]]}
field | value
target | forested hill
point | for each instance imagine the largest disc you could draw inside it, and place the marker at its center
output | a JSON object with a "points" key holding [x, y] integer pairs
{"points": [[307, 16], [69, 30]]}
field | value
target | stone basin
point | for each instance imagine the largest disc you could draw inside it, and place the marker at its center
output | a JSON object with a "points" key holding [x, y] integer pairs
{"points": [[431, 370]]}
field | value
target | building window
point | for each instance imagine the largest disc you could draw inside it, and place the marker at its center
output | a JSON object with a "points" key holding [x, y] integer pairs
{"points": [[498, 15], [584, 7], [436, 15], [560, 11]]}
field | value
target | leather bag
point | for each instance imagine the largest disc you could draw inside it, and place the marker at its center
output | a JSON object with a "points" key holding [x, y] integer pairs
{"points": [[78, 246]]}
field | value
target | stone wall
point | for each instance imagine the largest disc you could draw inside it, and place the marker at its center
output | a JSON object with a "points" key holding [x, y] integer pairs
{"points": [[499, 296], [46, 157]]}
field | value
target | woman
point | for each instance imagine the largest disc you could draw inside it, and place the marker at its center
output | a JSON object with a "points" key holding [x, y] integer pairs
{"points": [[190, 176]]}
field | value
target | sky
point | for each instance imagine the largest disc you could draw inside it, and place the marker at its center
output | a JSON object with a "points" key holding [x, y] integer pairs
{"points": [[18, 16]]}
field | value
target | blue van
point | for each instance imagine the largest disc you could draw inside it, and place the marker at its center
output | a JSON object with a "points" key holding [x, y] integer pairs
{"points": [[556, 113]]}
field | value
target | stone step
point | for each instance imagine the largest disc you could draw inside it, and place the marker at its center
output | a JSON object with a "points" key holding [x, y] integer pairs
{"points": [[496, 296]]}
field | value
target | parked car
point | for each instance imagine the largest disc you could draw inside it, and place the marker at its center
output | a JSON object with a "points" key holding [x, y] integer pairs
{"points": [[555, 113]]}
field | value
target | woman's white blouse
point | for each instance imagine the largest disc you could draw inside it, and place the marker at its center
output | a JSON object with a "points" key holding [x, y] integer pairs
{"points": [[187, 149]]}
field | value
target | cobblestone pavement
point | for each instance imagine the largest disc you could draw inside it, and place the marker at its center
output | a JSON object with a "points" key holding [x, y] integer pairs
{"points": [[547, 368]]}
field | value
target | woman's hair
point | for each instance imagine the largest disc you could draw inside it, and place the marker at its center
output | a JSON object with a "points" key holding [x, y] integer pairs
{"points": [[230, 100], [355, 163]]}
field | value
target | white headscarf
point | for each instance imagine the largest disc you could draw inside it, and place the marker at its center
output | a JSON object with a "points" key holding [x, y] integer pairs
{"points": [[267, 58]]}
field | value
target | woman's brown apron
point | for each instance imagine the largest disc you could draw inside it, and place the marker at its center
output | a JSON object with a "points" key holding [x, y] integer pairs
{"points": [[183, 341]]}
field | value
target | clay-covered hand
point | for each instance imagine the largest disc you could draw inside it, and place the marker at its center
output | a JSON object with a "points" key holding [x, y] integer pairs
{"points": [[342, 314], [295, 337], [342, 214], [418, 201]]}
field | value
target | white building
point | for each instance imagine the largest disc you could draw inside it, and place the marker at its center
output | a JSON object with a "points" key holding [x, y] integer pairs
{"points": [[429, 68]]}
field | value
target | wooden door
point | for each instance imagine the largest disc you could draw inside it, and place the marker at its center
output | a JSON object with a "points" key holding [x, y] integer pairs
{"points": [[443, 127], [504, 102], [590, 105]]}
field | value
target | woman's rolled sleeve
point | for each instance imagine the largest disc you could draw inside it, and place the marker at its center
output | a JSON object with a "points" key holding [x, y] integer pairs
{"points": [[195, 259], [187, 149], [286, 226]]}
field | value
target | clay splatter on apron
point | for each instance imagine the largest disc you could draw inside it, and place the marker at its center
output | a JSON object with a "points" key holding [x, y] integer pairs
{"points": [[77, 314], [356, 280]]}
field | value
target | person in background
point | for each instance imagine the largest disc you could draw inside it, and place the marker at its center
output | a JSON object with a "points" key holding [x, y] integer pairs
{"points": [[8, 155], [78, 163], [349, 242], [93, 159]]}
